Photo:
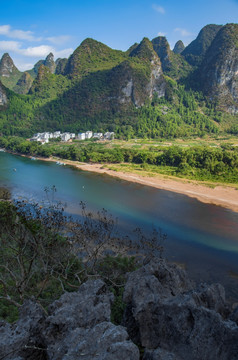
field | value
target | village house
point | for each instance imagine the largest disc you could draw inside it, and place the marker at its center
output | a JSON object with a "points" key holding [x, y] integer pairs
{"points": [[98, 135], [45, 136], [88, 134], [109, 135], [65, 136], [81, 136]]}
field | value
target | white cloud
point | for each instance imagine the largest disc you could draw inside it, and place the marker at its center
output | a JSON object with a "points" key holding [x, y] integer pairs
{"points": [[23, 66], [58, 40], [65, 53], [183, 32], [25, 54], [158, 8], [37, 51], [4, 29], [161, 33], [7, 31], [10, 46], [43, 50]]}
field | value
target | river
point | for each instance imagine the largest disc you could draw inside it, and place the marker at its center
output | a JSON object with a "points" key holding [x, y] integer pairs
{"points": [[202, 237]]}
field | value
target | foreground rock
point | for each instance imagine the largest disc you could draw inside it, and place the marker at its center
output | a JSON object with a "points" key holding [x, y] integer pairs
{"points": [[78, 326], [165, 317], [173, 321]]}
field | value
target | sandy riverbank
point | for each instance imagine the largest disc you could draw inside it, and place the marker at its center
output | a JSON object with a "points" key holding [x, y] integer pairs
{"points": [[220, 195]]}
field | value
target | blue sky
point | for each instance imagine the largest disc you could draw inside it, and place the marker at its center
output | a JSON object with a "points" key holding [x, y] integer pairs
{"points": [[29, 30]]}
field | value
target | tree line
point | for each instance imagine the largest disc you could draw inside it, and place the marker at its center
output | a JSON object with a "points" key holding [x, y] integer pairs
{"points": [[199, 162]]}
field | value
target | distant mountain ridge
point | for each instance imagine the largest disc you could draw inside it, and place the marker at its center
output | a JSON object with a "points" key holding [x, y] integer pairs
{"points": [[98, 84]]}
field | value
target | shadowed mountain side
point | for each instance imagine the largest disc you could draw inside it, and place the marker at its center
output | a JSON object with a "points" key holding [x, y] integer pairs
{"points": [[196, 50], [24, 83], [217, 76], [3, 97], [173, 64], [102, 97], [178, 47]]}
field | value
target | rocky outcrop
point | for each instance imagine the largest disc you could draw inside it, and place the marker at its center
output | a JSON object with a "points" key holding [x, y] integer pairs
{"points": [[162, 49], [77, 326], [165, 316], [172, 321], [173, 64], [218, 73], [24, 84], [154, 83], [194, 53], [7, 66], [60, 66], [178, 47], [50, 63], [9, 74], [3, 97]]}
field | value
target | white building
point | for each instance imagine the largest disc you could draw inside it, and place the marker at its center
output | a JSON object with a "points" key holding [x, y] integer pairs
{"points": [[72, 135], [82, 136], [109, 135], [88, 134], [98, 135], [65, 137], [56, 134], [41, 137]]}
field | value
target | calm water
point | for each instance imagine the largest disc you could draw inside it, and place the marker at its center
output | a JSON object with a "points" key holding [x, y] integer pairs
{"points": [[203, 237]]}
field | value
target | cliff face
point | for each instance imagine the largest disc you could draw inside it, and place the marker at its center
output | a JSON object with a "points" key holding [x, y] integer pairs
{"points": [[60, 66], [3, 97], [164, 315], [98, 83], [24, 84], [9, 74], [178, 47], [218, 72], [173, 64], [152, 74], [195, 51], [7, 67], [50, 63]]}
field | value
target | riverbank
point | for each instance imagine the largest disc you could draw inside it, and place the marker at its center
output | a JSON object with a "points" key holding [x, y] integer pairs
{"points": [[224, 196]]}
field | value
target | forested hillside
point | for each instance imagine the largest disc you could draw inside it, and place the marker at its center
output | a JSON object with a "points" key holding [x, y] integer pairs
{"points": [[147, 91]]}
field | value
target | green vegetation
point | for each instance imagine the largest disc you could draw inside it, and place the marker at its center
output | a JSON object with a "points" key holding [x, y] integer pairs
{"points": [[180, 113], [102, 89], [10, 82], [92, 56], [192, 160], [44, 253], [173, 65], [195, 51]]}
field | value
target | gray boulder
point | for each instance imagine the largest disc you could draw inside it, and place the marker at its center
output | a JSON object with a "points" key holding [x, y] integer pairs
{"points": [[78, 326], [159, 354], [24, 339], [104, 341], [164, 313]]}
